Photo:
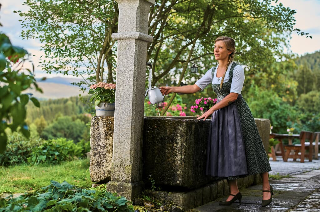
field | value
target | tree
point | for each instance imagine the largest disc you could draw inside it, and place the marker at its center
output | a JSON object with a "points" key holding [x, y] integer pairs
{"points": [[76, 36], [312, 61], [13, 81], [260, 30], [77, 33], [41, 124], [65, 127], [267, 104], [310, 102], [276, 77], [306, 80]]}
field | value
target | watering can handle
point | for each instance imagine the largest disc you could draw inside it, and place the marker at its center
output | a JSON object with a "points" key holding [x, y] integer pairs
{"points": [[150, 78], [150, 74]]}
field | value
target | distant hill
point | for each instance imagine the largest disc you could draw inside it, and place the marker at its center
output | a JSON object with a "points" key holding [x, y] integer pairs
{"points": [[311, 60], [60, 80], [55, 88]]}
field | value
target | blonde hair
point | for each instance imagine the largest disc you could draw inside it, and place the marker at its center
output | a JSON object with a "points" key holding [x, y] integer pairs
{"points": [[230, 44]]}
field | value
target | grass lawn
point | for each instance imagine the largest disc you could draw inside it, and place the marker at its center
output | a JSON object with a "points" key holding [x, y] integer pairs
{"points": [[22, 178]]}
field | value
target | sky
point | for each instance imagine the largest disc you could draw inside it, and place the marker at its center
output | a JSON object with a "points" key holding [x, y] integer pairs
{"points": [[307, 19]]}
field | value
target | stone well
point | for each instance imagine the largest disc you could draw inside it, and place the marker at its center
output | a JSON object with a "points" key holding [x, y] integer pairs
{"points": [[174, 158], [174, 151]]}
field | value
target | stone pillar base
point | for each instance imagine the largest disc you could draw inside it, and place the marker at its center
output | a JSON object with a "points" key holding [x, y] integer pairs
{"points": [[128, 190], [101, 138]]}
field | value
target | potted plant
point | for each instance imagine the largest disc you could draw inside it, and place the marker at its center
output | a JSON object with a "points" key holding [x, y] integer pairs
{"points": [[103, 96]]}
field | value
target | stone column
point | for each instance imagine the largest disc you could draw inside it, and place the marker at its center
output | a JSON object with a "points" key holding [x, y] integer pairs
{"points": [[263, 126], [132, 36]]}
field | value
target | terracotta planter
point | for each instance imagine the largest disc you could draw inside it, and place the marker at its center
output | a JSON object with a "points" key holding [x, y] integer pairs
{"points": [[105, 109]]}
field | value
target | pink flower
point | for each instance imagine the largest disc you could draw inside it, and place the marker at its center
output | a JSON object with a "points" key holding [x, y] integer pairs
{"points": [[168, 114], [165, 104], [201, 108], [205, 99], [209, 98], [103, 85], [179, 107], [196, 106], [185, 108], [174, 108], [205, 102], [193, 111], [149, 102], [182, 114]]}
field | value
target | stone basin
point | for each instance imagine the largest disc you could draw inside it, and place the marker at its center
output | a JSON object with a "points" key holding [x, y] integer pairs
{"points": [[174, 151]]}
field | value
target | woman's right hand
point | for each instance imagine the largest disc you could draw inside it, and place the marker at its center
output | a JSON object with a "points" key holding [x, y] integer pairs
{"points": [[166, 90]]}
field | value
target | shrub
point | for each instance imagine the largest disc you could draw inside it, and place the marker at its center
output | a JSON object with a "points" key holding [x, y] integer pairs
{"points": [[66, 197], [19, 148], [56, 151]]}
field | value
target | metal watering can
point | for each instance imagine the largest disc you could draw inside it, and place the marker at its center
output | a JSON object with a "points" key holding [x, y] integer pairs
{"points": [[154, 94]]}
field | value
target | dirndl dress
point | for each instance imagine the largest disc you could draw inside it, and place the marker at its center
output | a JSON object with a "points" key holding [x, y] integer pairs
{"points": [[235, 148]]}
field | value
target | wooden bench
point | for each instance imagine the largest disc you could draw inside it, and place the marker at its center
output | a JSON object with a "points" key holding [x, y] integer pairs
{"points": [[302, 147], [316, 145]]}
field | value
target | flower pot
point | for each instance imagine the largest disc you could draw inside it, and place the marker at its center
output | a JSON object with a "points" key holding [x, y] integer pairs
{"points": [[105, 109]]}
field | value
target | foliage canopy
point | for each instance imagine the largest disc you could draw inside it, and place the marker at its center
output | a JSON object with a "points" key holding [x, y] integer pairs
{"points": [[76, 35]]}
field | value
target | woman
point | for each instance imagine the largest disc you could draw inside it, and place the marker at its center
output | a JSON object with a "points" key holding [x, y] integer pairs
{"points": [[235, 148]]}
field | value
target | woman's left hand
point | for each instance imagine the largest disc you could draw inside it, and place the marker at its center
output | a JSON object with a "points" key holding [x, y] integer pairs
{"points": [[206, 114]]}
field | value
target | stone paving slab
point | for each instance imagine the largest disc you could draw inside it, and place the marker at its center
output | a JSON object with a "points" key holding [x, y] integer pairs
{"points": [[292, 167], [299, 192]]}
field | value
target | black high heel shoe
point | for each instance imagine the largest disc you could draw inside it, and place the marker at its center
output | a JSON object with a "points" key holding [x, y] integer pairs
{"points": [[236, 197], [268, 201]]}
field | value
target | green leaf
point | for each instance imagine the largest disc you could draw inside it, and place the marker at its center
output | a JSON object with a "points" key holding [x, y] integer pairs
{"points": [[32, 201], [3, 91], [51, 202], [3, 203], [35, 101], [97, 102], [3, 62], [24, 99], [15, 88], [6, 101], [25, 131], [19, 50], [122, 201]]}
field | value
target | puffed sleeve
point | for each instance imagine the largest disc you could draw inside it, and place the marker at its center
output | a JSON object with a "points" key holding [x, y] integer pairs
{"points": [[237, 80], [205, 80]]}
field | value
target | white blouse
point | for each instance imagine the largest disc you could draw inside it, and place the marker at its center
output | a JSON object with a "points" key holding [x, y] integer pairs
{"points": [[237, 79]]}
